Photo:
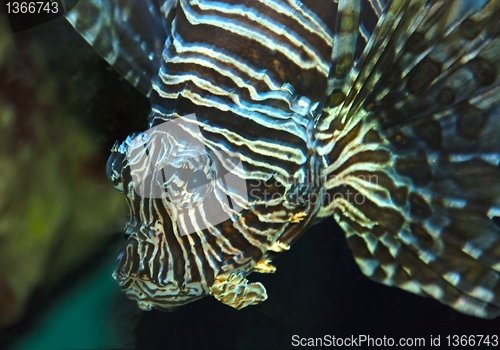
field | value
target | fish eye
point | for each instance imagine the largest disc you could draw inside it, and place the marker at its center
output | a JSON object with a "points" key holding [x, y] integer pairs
{"points": [[198, 179], [115, 165]]}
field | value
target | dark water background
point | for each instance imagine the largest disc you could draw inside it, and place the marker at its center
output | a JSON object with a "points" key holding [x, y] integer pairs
{"points": [[317, 289]]}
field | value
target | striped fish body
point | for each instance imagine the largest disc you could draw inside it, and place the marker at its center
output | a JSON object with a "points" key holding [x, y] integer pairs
{"points": [[258, 91], [383, 116]]}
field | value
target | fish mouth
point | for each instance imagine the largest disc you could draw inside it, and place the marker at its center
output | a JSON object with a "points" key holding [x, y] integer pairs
{"points": [[143, 279], [149, 296]]}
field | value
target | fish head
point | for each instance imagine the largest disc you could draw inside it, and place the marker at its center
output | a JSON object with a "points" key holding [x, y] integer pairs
{"points": [[177, 189]]}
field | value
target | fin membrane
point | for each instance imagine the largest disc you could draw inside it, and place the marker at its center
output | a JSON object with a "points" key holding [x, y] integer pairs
{"points": [[411, 137], [128, 34]]}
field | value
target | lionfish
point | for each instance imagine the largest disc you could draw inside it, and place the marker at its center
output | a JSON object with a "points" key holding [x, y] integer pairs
{"points": [[382, 115]]}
